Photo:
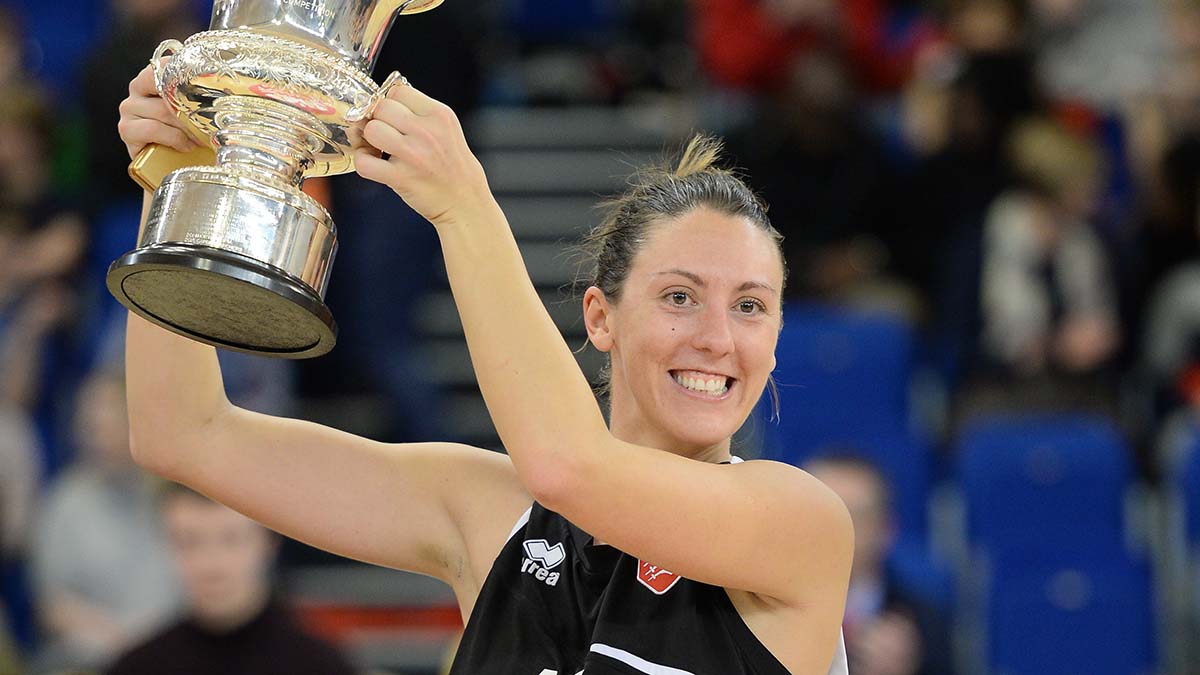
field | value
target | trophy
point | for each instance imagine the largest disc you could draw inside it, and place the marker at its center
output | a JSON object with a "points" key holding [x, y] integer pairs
{"points": [[234, 254]]}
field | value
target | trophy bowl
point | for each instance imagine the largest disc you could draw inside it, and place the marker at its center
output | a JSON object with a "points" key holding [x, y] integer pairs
{"points": [[235, 254]]}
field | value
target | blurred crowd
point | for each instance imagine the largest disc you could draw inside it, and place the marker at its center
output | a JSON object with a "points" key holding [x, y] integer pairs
{"points": [[1016, 180]]}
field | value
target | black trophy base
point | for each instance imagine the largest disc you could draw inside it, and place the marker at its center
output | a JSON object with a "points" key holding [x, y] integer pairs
{"points": [[223, 299]]}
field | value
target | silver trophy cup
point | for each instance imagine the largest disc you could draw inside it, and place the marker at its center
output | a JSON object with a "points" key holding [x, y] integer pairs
{"points": [[236, 255]]}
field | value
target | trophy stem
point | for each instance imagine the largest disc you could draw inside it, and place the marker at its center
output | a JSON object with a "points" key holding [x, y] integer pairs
{"points": [[261, 135]]}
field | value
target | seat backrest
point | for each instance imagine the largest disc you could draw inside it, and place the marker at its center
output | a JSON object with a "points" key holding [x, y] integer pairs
{"points": [[843, 379], [842, 372], [1187, 482], [1044, 487], [1082, 619]]}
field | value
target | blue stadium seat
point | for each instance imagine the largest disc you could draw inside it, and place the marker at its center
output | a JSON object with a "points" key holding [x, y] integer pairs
{"points": [[1045, 510], [1188, 484], [843, 372], [59, 35], [1090, 619], [843, 377], [560, 22], [1044, 488]]}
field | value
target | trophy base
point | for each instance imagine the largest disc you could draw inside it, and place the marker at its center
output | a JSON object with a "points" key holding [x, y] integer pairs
{"points": [[223, 299]]}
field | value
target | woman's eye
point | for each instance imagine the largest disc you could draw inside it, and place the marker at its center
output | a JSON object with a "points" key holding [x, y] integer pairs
{"points": [[678, 298], [751, 306]]}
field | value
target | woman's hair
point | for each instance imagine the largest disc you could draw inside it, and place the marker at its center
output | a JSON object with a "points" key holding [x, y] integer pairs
{"points": [[1049, 159], [660, 193], [663, 192]]}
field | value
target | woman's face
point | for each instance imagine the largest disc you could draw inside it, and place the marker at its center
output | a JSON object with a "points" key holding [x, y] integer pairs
{"points": [[692, 339]]}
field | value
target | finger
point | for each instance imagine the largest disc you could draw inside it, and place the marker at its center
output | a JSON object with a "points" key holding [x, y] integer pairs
{"points": [[150, 108], [371, 167], [415, 100], [144, 84], [398, 115], [141, 132], [384, 136]]}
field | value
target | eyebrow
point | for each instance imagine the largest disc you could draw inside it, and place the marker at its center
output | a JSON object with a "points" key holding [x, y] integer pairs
{"points": [[695, 278]]}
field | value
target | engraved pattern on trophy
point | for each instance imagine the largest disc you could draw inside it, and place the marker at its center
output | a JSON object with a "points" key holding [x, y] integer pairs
{"points": [[236, 255], [218, 64]]}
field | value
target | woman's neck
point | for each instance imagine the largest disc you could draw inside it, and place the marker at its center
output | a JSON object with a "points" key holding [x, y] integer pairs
{"points": [[640, 433]]}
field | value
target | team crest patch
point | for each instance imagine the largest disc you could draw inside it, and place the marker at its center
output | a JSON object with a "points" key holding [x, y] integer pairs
{"points": [[656, 578]]}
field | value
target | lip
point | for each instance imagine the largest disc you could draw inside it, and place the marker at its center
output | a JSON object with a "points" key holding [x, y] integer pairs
{"points": [[730, 384]]}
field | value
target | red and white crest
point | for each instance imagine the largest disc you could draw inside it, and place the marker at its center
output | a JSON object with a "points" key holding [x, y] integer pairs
{"points": [[656, 578]]}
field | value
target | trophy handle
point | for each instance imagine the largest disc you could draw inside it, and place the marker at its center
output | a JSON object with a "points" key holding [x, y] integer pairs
{"points": [[164, 49], [365, 109], [155, 161]]}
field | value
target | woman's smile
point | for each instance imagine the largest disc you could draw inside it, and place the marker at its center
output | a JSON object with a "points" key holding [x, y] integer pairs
{"points": [[703, 385]]}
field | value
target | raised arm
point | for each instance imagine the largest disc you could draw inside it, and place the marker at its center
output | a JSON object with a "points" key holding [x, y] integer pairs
{"points": [[759, 526], [436, 508]]}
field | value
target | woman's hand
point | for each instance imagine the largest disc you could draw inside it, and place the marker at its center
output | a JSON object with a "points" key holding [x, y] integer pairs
{"points": [[429, 164], [146, 118]]}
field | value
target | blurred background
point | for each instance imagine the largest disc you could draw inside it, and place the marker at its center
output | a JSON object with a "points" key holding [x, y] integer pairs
{"points": [[991, 349]]}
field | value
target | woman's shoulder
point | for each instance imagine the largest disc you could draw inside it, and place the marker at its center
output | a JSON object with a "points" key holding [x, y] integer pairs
{"points": [[826, 518]]}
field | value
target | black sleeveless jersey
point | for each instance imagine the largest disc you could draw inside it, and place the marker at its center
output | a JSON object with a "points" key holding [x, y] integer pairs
{"points": [[555, 604]]}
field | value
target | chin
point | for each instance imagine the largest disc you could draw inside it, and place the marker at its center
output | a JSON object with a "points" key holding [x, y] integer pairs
{"points": [[701, 434]]}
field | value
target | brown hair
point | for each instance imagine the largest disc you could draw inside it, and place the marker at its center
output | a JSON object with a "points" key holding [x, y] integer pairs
{"points": [[661, 193], [1050, 159]]}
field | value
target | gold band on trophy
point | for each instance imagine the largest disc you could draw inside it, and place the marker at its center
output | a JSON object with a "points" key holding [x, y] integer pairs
{"points": [[155, 161]]}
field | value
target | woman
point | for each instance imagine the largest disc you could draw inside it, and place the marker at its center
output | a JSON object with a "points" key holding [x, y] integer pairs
{"points": [[635, 549]]}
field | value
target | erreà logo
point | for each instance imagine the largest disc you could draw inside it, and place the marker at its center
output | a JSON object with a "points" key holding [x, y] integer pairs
{"points": [[656, 578], [542, 557]]}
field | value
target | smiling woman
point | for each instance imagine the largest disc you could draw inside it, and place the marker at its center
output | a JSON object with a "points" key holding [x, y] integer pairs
{"points": [[709, 565], [692, 339], [689, 271], [686, 301]]}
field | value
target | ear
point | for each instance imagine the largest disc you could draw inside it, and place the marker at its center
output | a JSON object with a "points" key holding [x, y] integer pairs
{"points": [[597, 317]]}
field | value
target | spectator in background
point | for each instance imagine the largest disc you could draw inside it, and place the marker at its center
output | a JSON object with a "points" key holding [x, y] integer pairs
{"points": [[42, 241], [820, 168], [889, 629], [9, 665], [1099, 53], [41, 234], [1163, 128], [751, 44], [1170, 348], [12, 55], [234, 625], [956, 114], [20, 452], [138, 27], [101, 568], [1048, 303], [1050, 322]]}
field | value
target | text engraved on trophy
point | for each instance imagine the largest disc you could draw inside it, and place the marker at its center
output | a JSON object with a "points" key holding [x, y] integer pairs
{"points": [[315, 6]]}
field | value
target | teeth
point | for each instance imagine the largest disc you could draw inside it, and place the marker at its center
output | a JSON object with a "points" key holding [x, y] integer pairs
{"points": [[709, 385]]}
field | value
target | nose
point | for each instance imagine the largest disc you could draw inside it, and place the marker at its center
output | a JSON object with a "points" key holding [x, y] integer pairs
{"points": [[714, 334]]}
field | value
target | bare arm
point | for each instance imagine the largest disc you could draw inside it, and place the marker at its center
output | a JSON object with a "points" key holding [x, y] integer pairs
{"points": [[420, 507]]}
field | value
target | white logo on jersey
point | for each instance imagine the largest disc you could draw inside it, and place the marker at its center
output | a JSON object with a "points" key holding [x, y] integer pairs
{"points": [[541, 551], [542, 558]]}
